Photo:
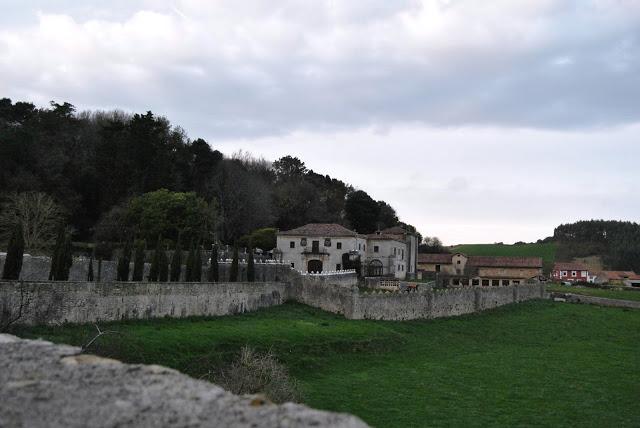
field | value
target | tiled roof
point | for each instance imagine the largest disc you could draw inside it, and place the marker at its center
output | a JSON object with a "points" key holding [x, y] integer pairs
{"points": [[504, 261], [319, 229], [395, 230], [384, 237], [570, 266], [441, 258], [620, 274]]}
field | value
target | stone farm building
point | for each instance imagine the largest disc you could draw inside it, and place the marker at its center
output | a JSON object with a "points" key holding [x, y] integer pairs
{"points": [[318, 247], [570, 272], [460, 270], [616, 277]]}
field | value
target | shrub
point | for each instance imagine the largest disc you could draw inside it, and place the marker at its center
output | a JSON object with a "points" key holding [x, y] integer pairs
{"points": [[233, 271], [123, 263], [251, 270], [154, 270], [15, 253], [176, 261], [138, 261], [253, 372], [213, 269], [196, 270], [90, 270]]}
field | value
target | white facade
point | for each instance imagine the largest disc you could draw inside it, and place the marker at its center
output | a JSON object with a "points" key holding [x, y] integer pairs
{"points": [[308, 253], [388, 253]]}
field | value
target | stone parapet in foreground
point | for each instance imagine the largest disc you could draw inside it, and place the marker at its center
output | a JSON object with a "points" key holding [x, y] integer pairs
{"points": [[47, 385]]}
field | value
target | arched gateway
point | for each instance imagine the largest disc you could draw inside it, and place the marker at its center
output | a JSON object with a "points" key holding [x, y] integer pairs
{"points": [[314, 266]]}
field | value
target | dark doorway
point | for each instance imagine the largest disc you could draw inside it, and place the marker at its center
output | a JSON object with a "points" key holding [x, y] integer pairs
{"points": [[314, 266], [315, 248], [375, 268]]}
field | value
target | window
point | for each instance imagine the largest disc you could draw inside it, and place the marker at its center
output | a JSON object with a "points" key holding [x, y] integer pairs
{"points": [[292, 244], [338, 266], [516, 282], [465, 281], [339, 245], [458, 262], [485, 282], [394, 251], [475, 282], [437, 268], [505, 282], [563, 273], [303, 242], [495, 282], [402, 254], [585, 273], [327, 242], [574, 273], [455, 281], [293, 265], [376, 249]]}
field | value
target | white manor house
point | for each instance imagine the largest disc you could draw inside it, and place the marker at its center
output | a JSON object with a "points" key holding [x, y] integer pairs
{"points": [[321, 247]]}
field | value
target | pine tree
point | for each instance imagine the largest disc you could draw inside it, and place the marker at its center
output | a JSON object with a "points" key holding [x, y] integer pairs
{"points": [[90, 270], [57, 253], [197, 265], [188, 274], [251, 273], [213, 269], [176, 262], [163, 267], [123, 263], [154, 271], [138, 261], [15, 253], [233, 272]]}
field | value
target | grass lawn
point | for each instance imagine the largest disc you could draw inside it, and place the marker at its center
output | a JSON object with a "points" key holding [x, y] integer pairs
{"points": [[598, 292], [547, 251], [538, 363]]}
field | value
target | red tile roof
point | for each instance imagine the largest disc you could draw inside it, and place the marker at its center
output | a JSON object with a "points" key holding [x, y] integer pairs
{"points": [[396, 230], [620, 274], [384, 237], [570, 266], [320, 229], [504, 261], [438, 258]]}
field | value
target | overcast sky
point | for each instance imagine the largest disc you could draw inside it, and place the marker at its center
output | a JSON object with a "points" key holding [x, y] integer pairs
{"points": [[479, 121]]}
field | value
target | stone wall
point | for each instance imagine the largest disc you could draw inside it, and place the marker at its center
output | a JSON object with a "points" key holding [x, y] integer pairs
{"points": [[37, 269], [47, 385], [86, 302], [332, 293]]}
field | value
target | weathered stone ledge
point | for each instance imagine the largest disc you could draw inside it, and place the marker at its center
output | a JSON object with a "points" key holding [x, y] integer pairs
{"points": [[48, 385], [594, 300]]}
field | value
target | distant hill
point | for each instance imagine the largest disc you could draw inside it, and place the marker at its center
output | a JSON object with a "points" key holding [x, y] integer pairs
{"points": [[545, 250]]}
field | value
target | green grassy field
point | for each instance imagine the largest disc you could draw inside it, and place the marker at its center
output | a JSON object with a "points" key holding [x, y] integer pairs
{"points": [[538, 363], [547, 251], [598, 292]]}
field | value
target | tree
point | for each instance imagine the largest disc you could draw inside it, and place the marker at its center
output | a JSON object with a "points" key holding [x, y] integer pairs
{"points": [[163, 267], [90, 269], [176, 261], [37, 214], [62, 257], [196, 270], [156, 259], [431, 245], [251, 273], [170, 214], [362, 212], [233, 271], [124, 263], [264, 238], [15, 253], [387, 216], [138, 261], [288, 167], [213, 269], [188, 273]]}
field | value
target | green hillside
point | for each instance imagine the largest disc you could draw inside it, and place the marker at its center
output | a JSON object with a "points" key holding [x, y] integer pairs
{"points": [[547, 251]]}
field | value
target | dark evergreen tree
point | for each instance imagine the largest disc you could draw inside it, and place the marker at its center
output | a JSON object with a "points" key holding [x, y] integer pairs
{"points": [[57, 253], [154, 270], [196, 274], [15, 253], [138, 261], [124, 263], [90, 269], [188, 268], [251, 273], [163, 267], [176, 261], [213, 269], [99, 269], [65, 260], [233, 271]]}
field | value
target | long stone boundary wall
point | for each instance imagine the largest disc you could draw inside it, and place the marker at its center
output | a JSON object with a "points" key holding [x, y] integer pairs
{"points": [[87, 302], [47, 385]]}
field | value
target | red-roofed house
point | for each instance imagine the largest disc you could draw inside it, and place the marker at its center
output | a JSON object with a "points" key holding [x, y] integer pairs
{"points": [[617, 277], [571, 272]]}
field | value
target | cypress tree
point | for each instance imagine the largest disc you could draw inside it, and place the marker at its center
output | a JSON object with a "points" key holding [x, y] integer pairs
{"points": [[233, 272], [90, 270], [154, 271], [99, 269], [15, 253], [251, 273], [57, 253], [123, 263], [213, 269], [138, 261], [188, 274], [65, 260], [176, 262], [163, 267], [197, 265]]}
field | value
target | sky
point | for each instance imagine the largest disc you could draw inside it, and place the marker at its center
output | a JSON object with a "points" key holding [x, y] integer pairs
{"points": [[478, 121]]}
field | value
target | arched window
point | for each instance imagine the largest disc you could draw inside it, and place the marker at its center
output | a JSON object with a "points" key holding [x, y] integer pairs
{"points": [[375, 268]]}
